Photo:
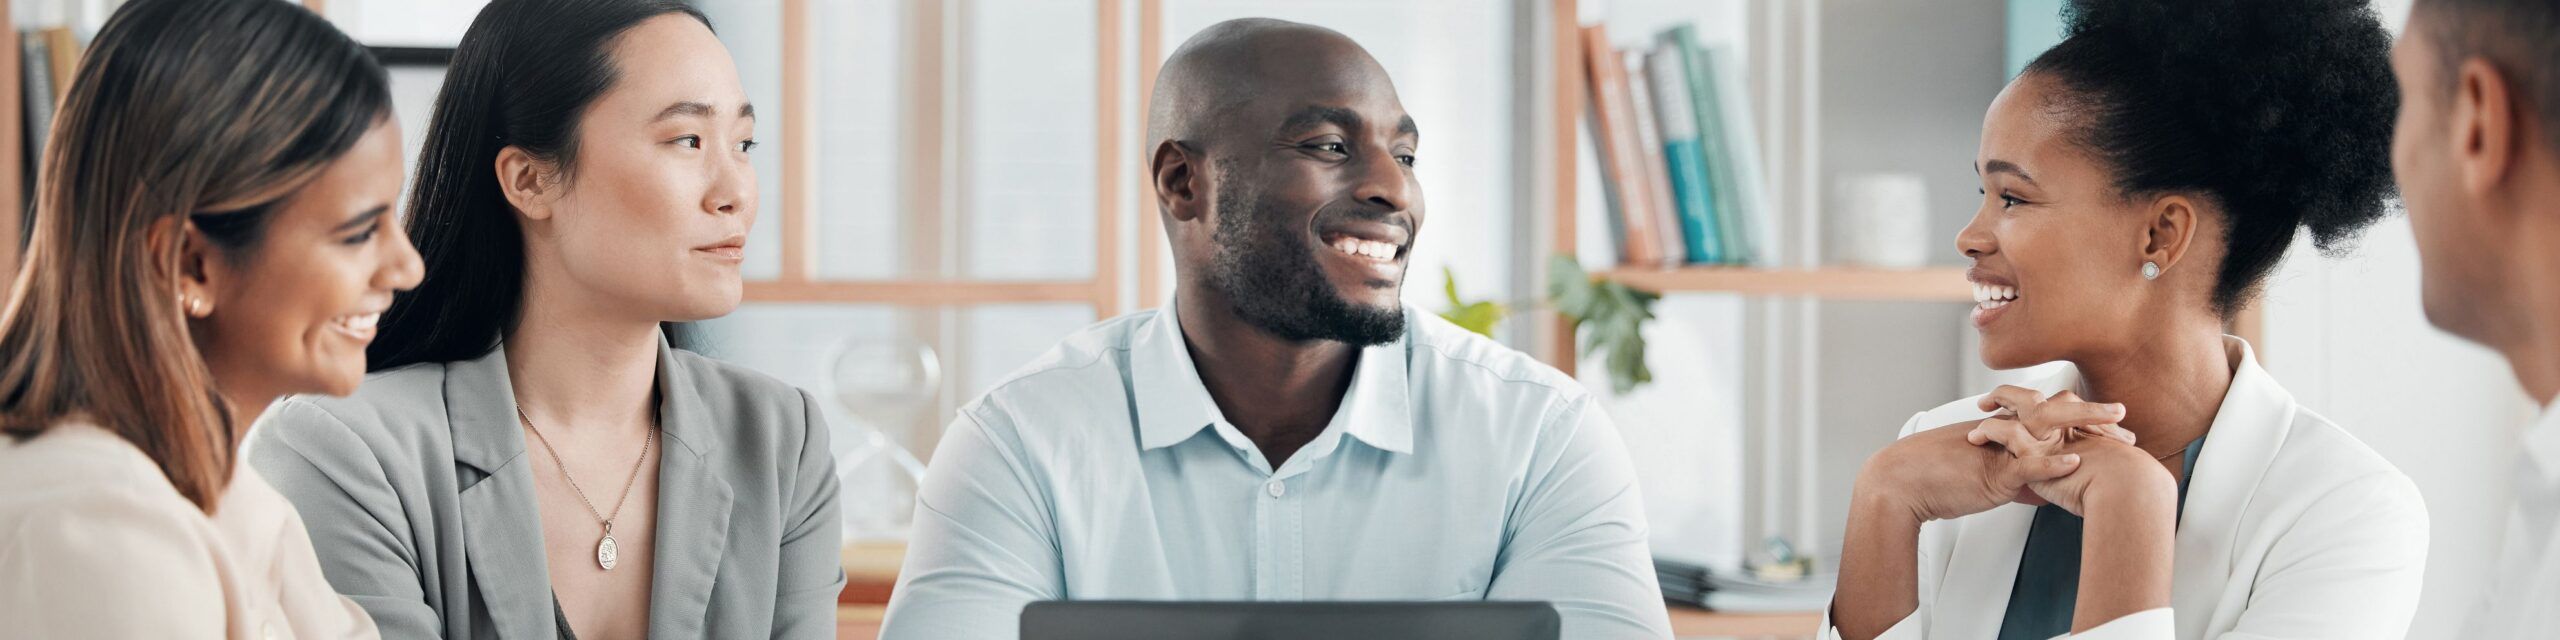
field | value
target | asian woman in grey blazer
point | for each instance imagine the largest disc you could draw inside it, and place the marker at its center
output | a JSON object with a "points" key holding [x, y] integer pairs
{"points": [[531, 457]]}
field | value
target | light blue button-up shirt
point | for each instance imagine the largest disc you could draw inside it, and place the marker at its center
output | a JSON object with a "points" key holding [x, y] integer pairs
{"points": [[1455, 469]]}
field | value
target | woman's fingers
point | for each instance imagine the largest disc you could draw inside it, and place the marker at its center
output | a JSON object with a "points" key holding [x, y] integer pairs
{"points": [[2014, 436], [2055, 414], [2015, 398], [1993, 430], [2020, 472]]}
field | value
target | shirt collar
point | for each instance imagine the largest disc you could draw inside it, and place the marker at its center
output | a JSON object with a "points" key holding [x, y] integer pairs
{"points": [[2542, 443], [1173, 405]]}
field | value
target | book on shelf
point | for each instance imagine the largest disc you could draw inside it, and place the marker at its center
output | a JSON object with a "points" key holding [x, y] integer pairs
{"points": [[1699, 586], [1674, 131], [1666, 216], [35, 91], [1722, 177], [1742, 153], [62, 51], [1684, 154], [1612, 122]]}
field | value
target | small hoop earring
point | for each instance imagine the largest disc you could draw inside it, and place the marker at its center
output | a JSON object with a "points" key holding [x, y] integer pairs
{"points": [[2150, 270]]}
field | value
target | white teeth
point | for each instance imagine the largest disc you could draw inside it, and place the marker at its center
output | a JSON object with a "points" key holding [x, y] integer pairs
{"points": [[1370, 249], [1992, 296], [360, 323]]}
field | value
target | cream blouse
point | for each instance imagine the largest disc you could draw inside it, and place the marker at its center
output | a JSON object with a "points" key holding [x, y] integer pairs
{"points": [[95, 543]]}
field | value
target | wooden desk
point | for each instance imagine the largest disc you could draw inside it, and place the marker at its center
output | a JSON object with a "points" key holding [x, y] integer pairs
{"points": [[862, 622]]}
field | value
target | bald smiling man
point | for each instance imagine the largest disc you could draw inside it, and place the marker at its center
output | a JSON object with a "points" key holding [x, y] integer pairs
{"points": [[1287, 430]]}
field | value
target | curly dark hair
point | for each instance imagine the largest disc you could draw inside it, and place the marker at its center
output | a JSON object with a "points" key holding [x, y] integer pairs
{"points": [[2277, 111]]}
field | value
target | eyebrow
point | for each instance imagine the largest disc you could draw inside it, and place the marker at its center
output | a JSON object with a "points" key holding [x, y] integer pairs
{"points": [[1337, 116], [363, 219], [691, 108], [2004, 166]]}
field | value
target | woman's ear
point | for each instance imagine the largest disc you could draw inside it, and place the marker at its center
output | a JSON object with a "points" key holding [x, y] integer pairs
{"points": [[2171, 231], [199, 271], [527, 182]]}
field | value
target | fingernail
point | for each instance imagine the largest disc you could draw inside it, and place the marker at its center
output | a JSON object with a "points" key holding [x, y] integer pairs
{"points": [[2071, 458]]}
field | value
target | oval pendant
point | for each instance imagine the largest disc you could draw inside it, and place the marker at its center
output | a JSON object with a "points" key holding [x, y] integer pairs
{"points": [[606, 553]]}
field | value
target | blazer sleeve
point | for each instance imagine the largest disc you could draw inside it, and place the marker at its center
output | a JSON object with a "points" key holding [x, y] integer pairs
{"points": [[983, 545], [345, 498], [2350, 567], [812, 571], [1578, 537], [1935, 540], [1916, 623], [109, 563]]}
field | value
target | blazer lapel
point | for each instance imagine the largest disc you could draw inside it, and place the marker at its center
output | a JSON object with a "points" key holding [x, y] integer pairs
{"points": [[2255, 417], [501, 525], [1987, 547], [693, 505]]}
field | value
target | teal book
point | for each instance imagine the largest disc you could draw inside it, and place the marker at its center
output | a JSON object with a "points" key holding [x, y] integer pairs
{"points": [[1683, 155], [1714, 143]]}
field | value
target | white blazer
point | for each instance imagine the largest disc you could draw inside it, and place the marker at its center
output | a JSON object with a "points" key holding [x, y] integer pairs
{"points": [[2291, 529]]}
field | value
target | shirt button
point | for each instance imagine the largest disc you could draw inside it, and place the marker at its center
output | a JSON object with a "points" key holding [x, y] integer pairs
{"points": [[1277, 488]]}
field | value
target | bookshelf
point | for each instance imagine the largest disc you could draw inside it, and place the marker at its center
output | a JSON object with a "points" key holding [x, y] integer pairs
{"points": [[1793, 277]]}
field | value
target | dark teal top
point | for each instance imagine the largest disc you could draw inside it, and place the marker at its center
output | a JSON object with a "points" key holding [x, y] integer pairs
{"points": [[2048, 585]]}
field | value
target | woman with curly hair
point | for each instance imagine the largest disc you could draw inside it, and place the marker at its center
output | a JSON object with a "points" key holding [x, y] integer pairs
{"points": [[2140, 180]]}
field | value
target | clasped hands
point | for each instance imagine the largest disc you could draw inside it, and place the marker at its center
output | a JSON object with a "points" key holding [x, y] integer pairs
{"points": [[2061, 450]]}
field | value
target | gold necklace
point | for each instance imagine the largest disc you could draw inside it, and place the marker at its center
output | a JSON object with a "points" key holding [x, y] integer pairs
{"points": [[607, 554]]}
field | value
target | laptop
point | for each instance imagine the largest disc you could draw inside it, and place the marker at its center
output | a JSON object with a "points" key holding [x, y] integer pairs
{"points": [[1161, 620]]}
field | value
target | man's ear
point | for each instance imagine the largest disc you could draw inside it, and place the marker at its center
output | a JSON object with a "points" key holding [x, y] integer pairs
{"points": [[1175, 170], [2170, 231], [2484, 125], [527, 181]]}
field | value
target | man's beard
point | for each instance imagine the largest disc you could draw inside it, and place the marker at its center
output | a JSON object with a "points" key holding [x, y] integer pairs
{"points": [[1268, 273]]}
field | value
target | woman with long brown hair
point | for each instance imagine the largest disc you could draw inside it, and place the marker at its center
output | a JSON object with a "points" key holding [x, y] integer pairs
{"points": [[213, 230]]}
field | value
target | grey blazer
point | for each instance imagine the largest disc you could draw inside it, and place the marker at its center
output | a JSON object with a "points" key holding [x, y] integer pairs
{"points": [[419, 498]]}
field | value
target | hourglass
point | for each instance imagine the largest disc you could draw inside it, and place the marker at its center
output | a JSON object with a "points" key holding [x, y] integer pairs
{"points": [[884, 384]]}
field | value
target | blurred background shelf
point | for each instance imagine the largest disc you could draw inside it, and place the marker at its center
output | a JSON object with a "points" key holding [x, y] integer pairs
{"points": [[1935, 284]]}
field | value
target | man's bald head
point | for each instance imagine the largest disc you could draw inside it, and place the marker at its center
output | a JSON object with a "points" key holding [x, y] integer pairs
{"points": [[1283, 163], [1239, 62]]}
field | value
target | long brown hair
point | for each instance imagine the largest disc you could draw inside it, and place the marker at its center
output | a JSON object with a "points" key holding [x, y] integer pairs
{"points": [[208, 112]]}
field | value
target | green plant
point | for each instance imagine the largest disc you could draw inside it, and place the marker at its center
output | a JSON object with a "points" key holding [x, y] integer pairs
{"points": [[1480, 316], [1608, 315]]}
